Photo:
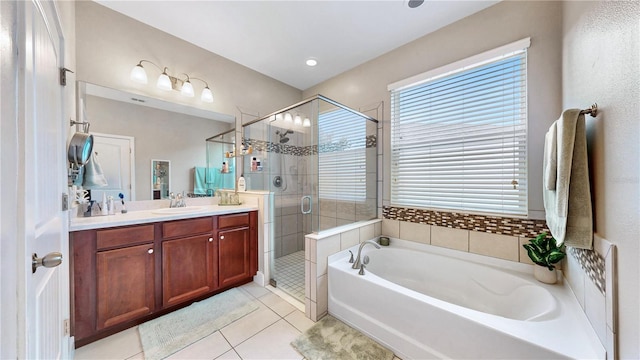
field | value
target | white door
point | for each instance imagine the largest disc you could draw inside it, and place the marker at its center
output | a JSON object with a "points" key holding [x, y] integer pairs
{"points": [[115, 154], [43, 296]]}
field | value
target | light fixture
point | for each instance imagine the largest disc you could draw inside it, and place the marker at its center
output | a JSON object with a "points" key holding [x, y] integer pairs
{"points": [[306, 122], [288, 117], [138, 74], [168, 82], [297, 120], [164, 83], [187, 88], [312, 62]]}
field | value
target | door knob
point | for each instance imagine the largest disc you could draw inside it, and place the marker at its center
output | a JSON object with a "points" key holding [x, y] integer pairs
{"points": [[50, 260], [211, 239], [150, 251], [221, 237]]}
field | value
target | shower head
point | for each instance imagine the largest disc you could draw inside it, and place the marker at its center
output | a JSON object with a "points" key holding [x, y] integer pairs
{"points": [[283, 136]]}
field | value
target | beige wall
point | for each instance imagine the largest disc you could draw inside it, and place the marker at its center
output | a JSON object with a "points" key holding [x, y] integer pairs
{"points": [[601, 64], [498, 25], [109, 44]]}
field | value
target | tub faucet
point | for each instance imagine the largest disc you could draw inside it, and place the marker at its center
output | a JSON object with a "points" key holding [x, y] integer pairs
{"points": [[357, 263]]}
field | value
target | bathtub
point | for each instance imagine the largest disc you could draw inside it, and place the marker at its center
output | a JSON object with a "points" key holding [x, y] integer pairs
{"points": [[426, 302]]}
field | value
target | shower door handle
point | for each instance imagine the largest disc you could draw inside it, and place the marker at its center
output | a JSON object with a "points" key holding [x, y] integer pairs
{"points": [[308, 211]]}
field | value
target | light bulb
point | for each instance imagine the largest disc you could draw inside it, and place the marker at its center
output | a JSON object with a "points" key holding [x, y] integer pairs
{"points": [[306, 122], [187, 89], [278, 117], [207, 95], [164, 83], [138, 74], [297, 120], [288, 117]]}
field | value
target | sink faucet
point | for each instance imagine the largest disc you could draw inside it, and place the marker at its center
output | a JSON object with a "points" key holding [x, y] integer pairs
{"points": [[177, 200], [357, 263]]}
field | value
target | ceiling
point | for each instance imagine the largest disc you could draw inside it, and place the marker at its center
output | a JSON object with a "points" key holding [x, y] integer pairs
{"points": [[275, 38]]}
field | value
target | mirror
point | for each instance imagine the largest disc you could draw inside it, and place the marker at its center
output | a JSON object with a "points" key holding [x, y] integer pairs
{"points": [[158, 129], [221, 163], [160, 179]]}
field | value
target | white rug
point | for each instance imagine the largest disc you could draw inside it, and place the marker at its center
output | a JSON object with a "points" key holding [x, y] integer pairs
{"points": [[331, 339], [170, 333]]}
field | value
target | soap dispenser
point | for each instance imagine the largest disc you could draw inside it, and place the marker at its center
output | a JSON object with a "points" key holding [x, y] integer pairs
{"points": [[242, 184]]}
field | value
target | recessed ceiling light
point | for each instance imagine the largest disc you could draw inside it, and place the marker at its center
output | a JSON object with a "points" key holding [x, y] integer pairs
{"points": [[415, 3], [312, 62]]}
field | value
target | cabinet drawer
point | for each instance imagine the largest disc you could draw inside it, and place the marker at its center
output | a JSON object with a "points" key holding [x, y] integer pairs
{"points": [[124, 236], [187, 227], [233, 220]]}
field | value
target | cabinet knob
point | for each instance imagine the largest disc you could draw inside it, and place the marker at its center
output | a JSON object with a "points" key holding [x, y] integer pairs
{"points": [[150, 251], [210, 239], [221, 237]]}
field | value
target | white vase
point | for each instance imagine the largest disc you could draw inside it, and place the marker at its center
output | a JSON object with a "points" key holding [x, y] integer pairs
{"points": [[543, 274]]}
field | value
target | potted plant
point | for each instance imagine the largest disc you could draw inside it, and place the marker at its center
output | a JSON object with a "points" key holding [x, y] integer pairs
{"points": [[544, 251]]}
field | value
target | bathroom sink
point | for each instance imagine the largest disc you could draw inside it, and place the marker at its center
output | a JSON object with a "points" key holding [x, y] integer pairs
{"points": [[178, 210]]}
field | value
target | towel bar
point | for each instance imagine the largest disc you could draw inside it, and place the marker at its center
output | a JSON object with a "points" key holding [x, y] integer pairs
{"points": [[593, 110]]}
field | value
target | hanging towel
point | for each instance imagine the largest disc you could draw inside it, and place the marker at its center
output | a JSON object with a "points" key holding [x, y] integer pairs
{"points": [[551, 158], [93, 175], [211, 177], [199, 184], [568, 205]]}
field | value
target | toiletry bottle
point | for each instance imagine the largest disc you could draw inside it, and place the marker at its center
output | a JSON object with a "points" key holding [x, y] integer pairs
{"points": [[104, 206], [242, 184], [111, 206], [254, 164], [225, 169]]}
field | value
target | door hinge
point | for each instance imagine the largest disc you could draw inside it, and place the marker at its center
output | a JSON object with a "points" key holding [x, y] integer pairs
{"points": [[65, 201], [63, 76], [67, 327]]}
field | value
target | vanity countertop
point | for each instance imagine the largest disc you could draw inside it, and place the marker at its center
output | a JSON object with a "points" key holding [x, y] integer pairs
{"points": [[151, 216]]}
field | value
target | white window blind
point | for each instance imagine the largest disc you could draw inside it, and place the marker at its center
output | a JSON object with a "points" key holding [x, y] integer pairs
{"points": [[342, 156], [458, 140]]}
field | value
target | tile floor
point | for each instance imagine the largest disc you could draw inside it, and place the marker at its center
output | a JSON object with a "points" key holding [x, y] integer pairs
{"points": [[263, 334], [290, 274]]}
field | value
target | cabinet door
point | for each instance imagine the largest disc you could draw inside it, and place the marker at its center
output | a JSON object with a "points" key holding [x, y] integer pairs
{"points": [[125, 284], [187, 268], [234, 256]]}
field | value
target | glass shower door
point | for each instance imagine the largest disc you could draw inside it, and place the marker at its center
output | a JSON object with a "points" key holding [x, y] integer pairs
{"points": [[293, 182]]}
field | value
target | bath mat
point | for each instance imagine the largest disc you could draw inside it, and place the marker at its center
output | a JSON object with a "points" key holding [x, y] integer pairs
{"points": [[170, 333], [332, 339]]}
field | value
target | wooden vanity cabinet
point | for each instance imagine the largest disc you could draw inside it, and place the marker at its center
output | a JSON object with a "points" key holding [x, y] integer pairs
{"points": [[124, 276], [189, 256], [113, 277], [237, 255]]}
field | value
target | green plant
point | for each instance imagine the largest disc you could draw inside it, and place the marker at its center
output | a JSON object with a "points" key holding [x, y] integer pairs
{"points": [[544, 251]]}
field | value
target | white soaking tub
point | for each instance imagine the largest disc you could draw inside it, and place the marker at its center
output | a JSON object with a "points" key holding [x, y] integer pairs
{"points": [[426, 302]]}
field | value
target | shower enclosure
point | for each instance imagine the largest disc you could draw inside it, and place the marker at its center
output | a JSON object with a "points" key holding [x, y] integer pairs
{"points": [[318, 159]]}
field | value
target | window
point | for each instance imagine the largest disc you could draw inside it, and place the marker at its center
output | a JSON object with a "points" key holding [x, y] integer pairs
{"points": [[342, 156], [458, 135]]}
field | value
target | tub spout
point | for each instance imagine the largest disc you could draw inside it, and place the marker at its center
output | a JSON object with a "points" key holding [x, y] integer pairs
{"points": [[356, 264]]}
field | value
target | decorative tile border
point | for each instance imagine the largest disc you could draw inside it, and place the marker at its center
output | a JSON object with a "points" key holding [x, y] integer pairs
{"points": [[490, 224], [593, 265], [286, 149]]}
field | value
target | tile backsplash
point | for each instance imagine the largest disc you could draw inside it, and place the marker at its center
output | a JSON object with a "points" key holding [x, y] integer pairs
{"points": [[484, 223]]}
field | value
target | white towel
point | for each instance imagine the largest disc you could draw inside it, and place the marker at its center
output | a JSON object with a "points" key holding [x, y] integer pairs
{"points": [[93, 174], [551, 158], [568, 206]]}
